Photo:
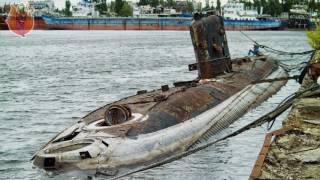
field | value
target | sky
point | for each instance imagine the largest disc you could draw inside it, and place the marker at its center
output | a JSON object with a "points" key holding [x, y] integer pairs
{"points": [[60, 3]]}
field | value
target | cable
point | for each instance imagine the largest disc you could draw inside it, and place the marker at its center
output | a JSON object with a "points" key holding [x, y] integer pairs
{"points": [[279, 52]]}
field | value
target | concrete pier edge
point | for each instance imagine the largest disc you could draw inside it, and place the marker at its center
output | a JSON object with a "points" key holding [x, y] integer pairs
{"points": [[293, 152]]}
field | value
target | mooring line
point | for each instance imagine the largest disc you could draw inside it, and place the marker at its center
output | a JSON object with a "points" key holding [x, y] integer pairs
{"points": [[296, 77], [276, 51]]}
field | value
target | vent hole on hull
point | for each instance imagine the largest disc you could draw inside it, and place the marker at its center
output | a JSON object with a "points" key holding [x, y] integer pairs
{"points": [[106, 144], [49, 162], [117, 114], [85, 155]]}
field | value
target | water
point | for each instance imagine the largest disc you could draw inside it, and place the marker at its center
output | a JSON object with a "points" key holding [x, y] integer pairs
{"points": [[52, 78]]}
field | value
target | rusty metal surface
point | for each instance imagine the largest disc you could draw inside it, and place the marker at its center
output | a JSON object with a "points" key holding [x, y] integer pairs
{"points": [[210, 46], [256, 171], [314, 70], [178, 105], [175, 105]]}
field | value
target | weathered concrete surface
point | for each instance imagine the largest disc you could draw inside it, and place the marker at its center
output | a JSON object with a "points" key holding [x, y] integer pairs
{"points": [[296, 153]]}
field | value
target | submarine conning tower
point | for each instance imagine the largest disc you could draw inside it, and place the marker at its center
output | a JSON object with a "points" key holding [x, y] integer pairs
{"points": [[210, 45]]}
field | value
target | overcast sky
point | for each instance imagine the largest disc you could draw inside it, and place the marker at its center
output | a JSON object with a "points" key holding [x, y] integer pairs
{"points": [[60, 3]]}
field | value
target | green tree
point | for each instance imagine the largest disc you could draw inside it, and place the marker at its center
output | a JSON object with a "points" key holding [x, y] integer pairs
{"points": [[287, 4], [162, 3], [198, 8], [247, 3], [118, 6], [67, 10], [154, 3], [190, 7], [257, 5], [312, 5], [171, 3], [112, 6], [218, 6], [101, 7], [126, 10], [143, 2], [273, 7], [314, 37], [277, 8]]}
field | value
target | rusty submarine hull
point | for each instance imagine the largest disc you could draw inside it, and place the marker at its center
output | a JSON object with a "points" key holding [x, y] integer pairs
{"points": [[151, 127]]}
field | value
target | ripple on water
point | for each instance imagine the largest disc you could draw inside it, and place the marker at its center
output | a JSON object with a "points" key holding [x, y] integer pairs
{"points": [[55, 77]]}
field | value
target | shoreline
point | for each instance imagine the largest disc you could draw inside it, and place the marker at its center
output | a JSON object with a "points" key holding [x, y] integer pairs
{"points": [[294, 152]]}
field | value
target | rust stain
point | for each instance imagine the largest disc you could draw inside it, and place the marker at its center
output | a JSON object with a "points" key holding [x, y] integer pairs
{"points": [[256, 171], [314, 70], [184, 102]]}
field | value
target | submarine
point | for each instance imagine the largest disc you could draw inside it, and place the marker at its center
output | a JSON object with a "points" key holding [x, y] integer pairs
{"points": [[139, 131]]}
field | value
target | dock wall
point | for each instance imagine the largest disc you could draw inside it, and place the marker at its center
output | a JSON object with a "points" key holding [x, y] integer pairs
{"points": [[294, 152]]}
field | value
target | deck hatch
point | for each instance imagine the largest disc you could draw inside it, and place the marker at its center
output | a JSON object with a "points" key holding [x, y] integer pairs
{"points": [[85, 155], [49, 162]]}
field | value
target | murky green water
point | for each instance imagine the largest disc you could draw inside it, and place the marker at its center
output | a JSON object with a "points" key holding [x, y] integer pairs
{"points": [[52, 78]]}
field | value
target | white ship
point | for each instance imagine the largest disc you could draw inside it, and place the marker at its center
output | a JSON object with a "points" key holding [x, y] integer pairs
{"points": [[235, 10]]}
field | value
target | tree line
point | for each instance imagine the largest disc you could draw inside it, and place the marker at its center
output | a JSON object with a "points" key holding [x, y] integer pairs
{"points": [[122, 8], [119, 7], [155, 3], [276, 7]]}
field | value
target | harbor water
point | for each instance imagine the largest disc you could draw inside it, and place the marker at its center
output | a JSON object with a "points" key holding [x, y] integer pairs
{"points": [[50, 79]]}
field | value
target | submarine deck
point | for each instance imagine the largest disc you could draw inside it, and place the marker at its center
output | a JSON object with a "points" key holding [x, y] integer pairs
{"points": [[159, 109]]}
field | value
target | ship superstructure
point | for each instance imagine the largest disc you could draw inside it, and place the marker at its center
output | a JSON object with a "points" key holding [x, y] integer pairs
{"points": [[234, 10]]}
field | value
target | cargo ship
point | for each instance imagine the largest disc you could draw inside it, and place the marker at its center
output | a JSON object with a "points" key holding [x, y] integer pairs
{"points": [[156, 127], [39, 23], [118, 23], [160, 23], [38, 9], [236, 17]]}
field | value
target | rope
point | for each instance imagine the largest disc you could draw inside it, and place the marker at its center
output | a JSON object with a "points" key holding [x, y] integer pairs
{"points": [[289, 68], [279, 52], [296, 77], [276, 51], [298, 67]]}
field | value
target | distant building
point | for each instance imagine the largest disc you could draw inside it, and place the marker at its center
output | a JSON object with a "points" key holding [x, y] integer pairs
{"points": [[236, 10], [197, 5], [181, 6], [41, 7], [6, 8], [84, 8], [147, 9]]}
